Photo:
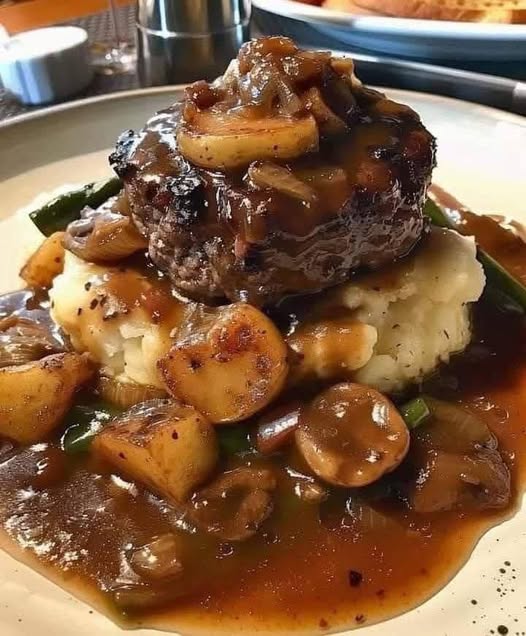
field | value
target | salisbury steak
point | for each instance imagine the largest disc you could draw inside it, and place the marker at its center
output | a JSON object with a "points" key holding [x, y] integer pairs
{"points": [[283, 176]]}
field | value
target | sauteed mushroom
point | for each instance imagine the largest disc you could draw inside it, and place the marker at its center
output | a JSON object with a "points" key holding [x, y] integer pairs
{"points": [[351, 435], [235, 504], [455, 462]]}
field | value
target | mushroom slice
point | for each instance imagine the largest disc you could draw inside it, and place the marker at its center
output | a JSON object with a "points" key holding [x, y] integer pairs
{"points": [[235, 505], [351, 435], [454, 463], [221, 141], [169, 447]]}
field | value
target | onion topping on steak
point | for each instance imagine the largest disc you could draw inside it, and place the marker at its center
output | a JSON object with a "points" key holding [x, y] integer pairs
{"points": [[283, 176]]}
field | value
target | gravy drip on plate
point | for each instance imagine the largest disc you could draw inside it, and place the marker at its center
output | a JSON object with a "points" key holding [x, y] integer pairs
{"points": [[343, 564]]}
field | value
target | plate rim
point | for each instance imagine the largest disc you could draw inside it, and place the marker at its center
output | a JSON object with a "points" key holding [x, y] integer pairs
{"points": [[78, 104], [82, 102], [390, 24], [42, 114]]}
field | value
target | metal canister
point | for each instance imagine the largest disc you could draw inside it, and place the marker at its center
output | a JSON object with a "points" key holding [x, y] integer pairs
{"points": [[181, 41]]}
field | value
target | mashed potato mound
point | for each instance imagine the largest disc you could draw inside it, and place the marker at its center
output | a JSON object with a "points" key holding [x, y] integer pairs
{"points": [[420, 309], [415, 314], [108, 312]]}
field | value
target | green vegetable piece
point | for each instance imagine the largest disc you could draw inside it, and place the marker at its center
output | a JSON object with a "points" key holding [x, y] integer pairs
{"points": [[83, 422], [233, 439], [437, 215], [58, 213], [415, 412], [502, 281], [505, 286]]}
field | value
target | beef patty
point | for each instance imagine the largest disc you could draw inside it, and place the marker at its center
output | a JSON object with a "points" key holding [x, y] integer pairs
{"points": [[228, 213]]}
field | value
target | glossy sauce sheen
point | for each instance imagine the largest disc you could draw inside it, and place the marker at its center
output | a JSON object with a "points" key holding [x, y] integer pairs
{"points": [[224, 236], [344, 564]]}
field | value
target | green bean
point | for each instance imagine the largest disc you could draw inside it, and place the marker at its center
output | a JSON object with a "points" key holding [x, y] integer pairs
{"points": [[57, 214], [233, 439], [83, 422], [415, 412]]}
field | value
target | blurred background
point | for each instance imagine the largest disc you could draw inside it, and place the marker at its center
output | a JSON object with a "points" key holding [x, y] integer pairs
{"points": [[465, 52]]}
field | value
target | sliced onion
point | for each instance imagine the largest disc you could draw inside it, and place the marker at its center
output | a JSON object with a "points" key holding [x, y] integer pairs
{"points": [[290, 103], [127, 394], [101, 236], [328, 122], [23, 341], [266, 174], [276, 428], [344, 66], [159, 560]]}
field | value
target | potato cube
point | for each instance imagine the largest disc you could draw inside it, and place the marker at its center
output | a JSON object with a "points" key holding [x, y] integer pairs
{"points": [[46, 263], [34, 397], [169, 447]]}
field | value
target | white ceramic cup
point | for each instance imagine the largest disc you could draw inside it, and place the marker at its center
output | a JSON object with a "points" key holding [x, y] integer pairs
{"points": [[46, 65]]}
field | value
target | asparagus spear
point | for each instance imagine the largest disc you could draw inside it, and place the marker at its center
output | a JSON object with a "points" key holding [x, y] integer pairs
{"points": [[501, 282], [56, 215]]}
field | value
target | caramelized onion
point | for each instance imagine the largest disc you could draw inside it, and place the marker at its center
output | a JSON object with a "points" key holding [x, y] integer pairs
{"points": [[103, 235], [276, 428], [235, 504], [159, 560], [127, 394], [329, 123], [266, 174], [23, 340]]}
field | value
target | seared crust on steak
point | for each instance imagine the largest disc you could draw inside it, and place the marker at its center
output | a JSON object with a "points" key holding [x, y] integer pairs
{"points": [[261, 231]]}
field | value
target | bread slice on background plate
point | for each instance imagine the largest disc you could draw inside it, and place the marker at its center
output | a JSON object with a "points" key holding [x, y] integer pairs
{"points": [[499, 11]]}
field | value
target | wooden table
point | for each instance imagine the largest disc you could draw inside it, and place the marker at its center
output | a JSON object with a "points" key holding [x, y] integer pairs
{"points": [[31, 14]]}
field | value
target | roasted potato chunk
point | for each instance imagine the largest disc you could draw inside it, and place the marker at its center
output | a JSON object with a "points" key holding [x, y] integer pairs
{"points": [[46, 263], [169, 447], [34, 397], [229, 363]]}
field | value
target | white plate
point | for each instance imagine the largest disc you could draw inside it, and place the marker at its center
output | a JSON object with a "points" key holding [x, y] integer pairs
{"points": [[482, 160], [424, 39]]}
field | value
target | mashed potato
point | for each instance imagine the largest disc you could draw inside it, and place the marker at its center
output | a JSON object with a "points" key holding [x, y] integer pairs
{"points": [[120, 316], [419, 310], [412, 315]]}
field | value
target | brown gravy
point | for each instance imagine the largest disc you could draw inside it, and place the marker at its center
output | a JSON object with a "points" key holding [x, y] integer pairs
{"points": [[311, 569]]}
